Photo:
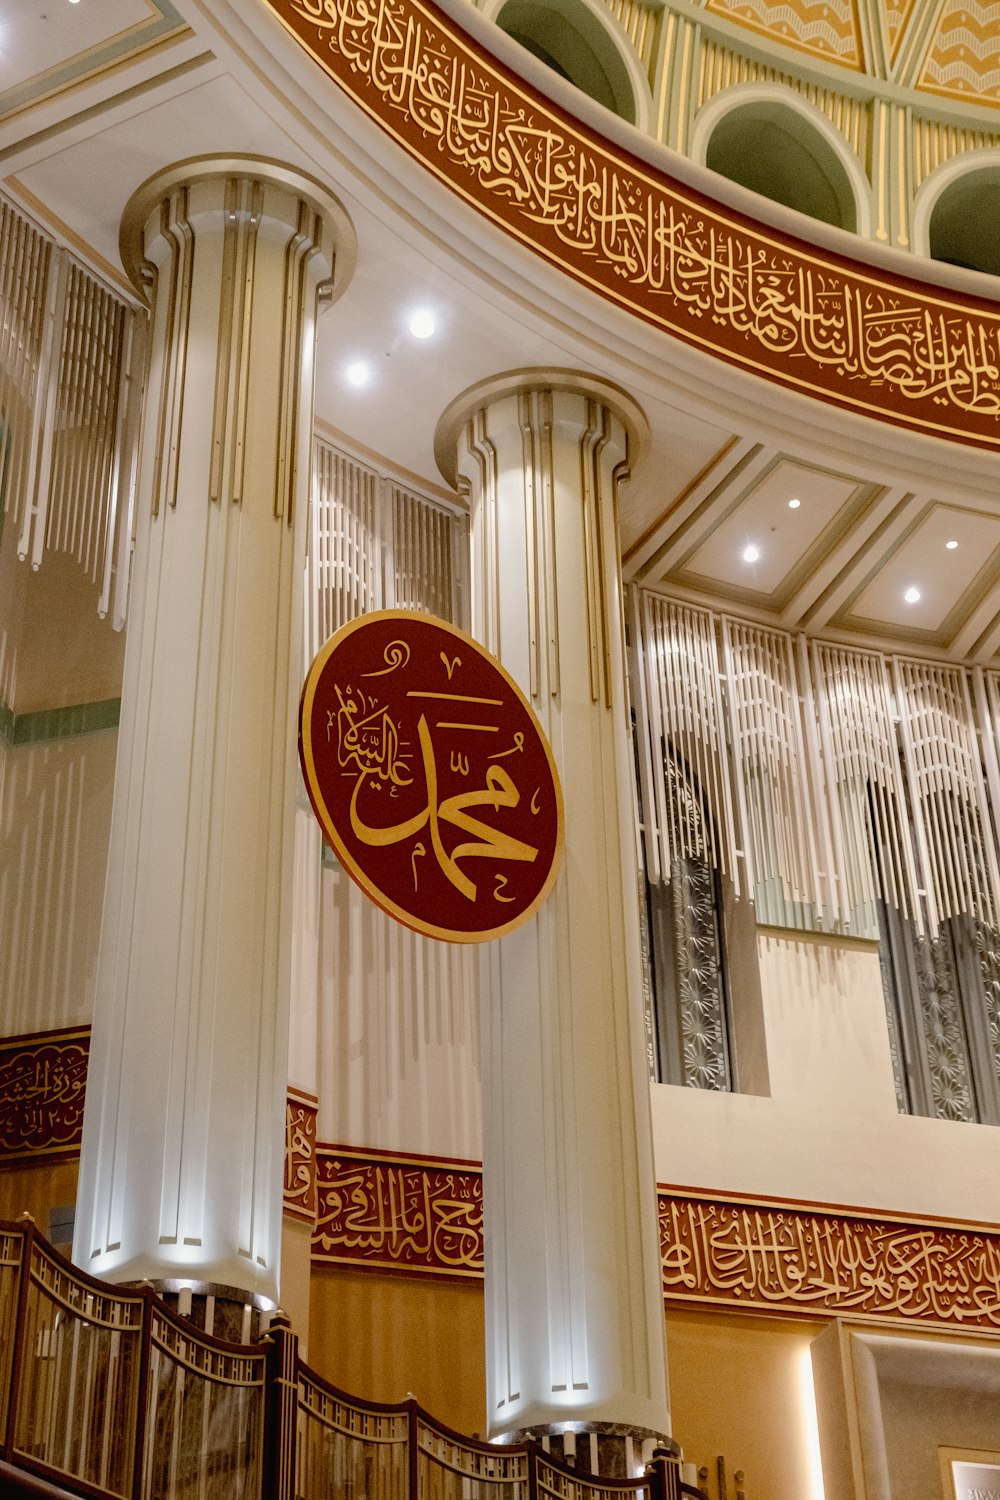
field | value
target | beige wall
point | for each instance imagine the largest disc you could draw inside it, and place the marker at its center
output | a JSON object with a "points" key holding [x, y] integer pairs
{"points": [[829, 1131], [35, 1188], [54, 647], [55, 818], [740, 1388]]}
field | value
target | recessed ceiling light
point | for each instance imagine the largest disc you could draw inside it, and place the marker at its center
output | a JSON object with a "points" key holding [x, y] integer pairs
{"points": [[357, 373], [422, 324], [912, 596], [951, 545], [751, 553], [794, 504]]}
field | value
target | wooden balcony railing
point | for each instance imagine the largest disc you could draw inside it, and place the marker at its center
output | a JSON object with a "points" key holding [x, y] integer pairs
{"points": [[105, 1392]]}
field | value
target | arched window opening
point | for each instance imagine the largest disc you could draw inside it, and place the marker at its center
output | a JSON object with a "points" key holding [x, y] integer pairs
{"points": [[963, 225], [772, 149], [569, 39]]}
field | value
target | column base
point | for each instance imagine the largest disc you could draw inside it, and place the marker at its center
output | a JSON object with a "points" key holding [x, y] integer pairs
{"points": [[609, 1450], [225, 1312]]}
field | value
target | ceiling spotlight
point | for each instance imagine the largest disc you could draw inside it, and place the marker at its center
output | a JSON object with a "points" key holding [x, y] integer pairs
{"points": [[357, 373], [794, 504], [751, 553], [912, 596], [951, 545], [422, 324]]}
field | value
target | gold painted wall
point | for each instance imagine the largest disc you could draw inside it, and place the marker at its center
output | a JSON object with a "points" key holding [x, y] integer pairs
{"points": [[35, 1188], [383, 1337], [737, 1390]]}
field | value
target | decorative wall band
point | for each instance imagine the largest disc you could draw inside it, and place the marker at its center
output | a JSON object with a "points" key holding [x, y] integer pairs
{"points": [[300, 1156], [43, 1079], [58, 723], [802, 317], [424, 1215], [808, 1260], [399, 1213]]}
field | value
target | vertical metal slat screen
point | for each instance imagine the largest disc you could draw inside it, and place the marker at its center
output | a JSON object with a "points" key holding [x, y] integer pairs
{"points": [[873, 850], [374, 544], [950, 808], [777, 801], [682, 741], [71, 369]]}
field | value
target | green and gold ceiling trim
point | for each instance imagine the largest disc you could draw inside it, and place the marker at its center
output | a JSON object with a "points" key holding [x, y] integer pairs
{"points": [[805, 319]]}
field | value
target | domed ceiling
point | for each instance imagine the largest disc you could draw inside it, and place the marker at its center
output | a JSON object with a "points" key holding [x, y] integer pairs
{"points": [[948, 47]]}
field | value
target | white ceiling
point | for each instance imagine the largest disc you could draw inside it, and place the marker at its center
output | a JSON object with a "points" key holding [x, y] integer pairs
{"points": [[728, 452]]}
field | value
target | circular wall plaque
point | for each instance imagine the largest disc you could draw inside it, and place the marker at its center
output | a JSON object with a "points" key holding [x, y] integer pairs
{"points": [[430, 776]]}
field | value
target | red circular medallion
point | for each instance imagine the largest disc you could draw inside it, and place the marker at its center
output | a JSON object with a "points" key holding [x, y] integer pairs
{"points": [[430, 776]]}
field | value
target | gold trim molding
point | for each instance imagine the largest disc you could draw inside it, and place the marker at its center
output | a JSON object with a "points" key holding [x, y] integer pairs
{"points": [[804, 318]]}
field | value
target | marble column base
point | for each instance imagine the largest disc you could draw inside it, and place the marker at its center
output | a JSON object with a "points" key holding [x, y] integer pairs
{"points": [[610, 1450], [225, 1312]]}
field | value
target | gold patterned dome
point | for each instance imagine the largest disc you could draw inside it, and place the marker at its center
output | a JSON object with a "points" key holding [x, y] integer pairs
{"points": [[952, 49]]}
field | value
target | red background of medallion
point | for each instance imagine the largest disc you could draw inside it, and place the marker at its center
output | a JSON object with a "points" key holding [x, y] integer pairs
{"points": [[356, 658]]}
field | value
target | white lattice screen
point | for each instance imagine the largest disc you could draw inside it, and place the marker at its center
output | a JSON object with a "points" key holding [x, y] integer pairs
{"points": [[821, 778], [866, 800], [374, 544], [948, 792], [778, 809], [682, 753], [71, 364]]}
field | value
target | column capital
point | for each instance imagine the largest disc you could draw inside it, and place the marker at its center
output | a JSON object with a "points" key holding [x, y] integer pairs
{"points": [[287, 189], [496, 388]]}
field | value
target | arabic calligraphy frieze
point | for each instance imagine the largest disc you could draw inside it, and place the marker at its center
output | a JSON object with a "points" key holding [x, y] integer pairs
{"points": [[43, 1079], [299, 1198], [399, 1213], [776, 1258], [430, 776], [805, 318]]}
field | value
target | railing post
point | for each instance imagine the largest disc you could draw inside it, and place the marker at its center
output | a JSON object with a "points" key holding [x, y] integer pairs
{"points": [[664, 1475], [533, 1473], [282, 1402], [412, 1418], [19, 1354], [142, 1390]]}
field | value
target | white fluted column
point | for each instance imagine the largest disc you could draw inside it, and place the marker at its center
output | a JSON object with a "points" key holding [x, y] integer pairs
{"points": [[183, 1134], [574, 1307]]}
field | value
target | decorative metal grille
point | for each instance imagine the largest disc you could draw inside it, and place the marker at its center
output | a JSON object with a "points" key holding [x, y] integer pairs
{"points": [[855, 791]]}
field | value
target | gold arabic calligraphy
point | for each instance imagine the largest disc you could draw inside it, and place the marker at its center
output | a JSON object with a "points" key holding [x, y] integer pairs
{"points": [[370, 741], [421, 1216], [42, 1086], [863, 339], [299, 1196], [799, 1259]]}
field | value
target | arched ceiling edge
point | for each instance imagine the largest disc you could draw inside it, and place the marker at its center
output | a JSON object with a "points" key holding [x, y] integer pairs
{"points": [[800, 316]]}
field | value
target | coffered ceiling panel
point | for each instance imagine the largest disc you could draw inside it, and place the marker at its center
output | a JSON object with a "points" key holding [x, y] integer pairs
{"points": [[758, 542], [921, 584], [50, 45]]}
